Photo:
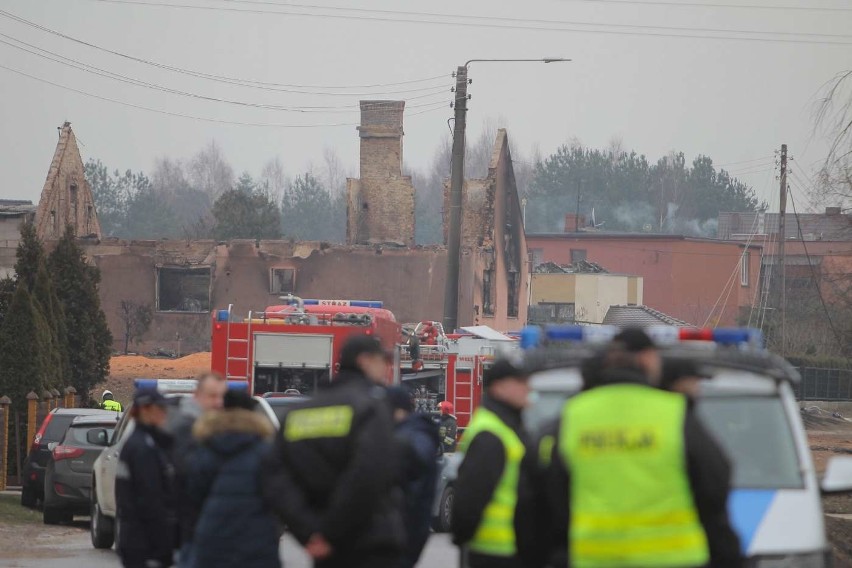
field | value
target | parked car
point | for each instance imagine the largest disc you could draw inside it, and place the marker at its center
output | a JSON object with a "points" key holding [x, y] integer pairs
{"points": [[279, 405], [52, 430], [67, 480]]}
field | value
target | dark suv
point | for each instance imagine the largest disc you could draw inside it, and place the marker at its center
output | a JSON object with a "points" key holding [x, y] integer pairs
{"points": [[67, 478], [52, 430]]}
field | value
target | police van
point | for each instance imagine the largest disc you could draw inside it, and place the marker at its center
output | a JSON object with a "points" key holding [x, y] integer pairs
{"points": [[747, 401]]}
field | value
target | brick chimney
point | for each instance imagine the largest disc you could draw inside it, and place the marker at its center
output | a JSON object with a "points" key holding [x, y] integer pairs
{"points": [[574, 222]]}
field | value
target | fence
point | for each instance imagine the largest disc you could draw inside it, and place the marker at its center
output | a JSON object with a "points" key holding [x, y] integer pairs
{"points": [[825, 384], [19, 424]]}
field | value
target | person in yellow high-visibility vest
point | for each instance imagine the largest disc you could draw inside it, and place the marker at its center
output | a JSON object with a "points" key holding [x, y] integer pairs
{"points": [[108, 402], [486, 490], [635, 480]]}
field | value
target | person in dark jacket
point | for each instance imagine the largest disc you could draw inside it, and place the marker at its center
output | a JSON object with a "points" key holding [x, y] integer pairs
{"points": [[620, 419], [235, 527], [486, 489], [209, 392], [331, 475], [420, 447], [145, 489]]}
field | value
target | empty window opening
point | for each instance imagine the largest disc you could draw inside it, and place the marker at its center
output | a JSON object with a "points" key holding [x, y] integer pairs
{"points": [[183, 289], [283, 281], [514, 284], [487, 301], [552, 312], [578, 255]]}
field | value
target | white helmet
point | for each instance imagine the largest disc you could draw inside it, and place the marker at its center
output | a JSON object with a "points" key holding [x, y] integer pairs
{"points": [[106, 392]]}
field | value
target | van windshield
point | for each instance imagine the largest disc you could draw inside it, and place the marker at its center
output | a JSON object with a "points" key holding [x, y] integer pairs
{"points": [[756, 435]]}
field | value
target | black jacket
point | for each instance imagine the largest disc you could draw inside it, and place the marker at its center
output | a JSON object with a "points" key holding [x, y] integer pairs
{"points": [[182, 451], [341, 484], [420, 446], [479, 474], [708, 470], [235, 527], [146, 498], [448, 428]]}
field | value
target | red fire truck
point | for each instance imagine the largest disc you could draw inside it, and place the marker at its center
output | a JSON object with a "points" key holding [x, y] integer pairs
{"points": [[451, 366], [296, 345]]}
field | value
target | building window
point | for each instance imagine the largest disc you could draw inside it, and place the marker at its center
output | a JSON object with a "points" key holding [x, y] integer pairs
{"points": [[536, 257], [181, 289], [512, 307], [577, 255], [282, 281], [551, 312], [744, 269], [53, 221], [487, 302]]}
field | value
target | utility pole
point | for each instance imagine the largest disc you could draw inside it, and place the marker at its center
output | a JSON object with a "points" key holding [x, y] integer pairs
{"points": [[782, 237], [577, 215], [451, 288]]}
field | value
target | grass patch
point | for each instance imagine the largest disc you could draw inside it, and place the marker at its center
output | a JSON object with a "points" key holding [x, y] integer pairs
{"points": [[11, 511]]}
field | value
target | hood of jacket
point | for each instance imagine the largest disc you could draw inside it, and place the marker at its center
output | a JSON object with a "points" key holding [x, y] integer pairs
{"points": [[229, 431]]}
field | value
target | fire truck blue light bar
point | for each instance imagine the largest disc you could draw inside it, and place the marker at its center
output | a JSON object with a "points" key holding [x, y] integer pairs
{"points": [[345, 303], [180, 385]]}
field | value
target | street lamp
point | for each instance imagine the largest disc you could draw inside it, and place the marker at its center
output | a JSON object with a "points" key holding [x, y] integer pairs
{"points": [[451, 290]]}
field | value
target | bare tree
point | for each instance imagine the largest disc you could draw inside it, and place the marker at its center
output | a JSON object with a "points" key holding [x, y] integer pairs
{"points": [[834, 117], [136, 319], [209, 172], [273, 179], [334, 172]]}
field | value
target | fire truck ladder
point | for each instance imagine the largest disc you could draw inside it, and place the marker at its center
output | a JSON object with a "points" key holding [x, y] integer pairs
{"points": [[244, 341], [469, 397]]}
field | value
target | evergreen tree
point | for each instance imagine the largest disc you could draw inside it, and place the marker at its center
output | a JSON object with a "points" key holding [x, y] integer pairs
{"points": [[246, 213], [308, 212], [30, 255], [22, 363], [47, 304], [89, 338], [7, 290]]}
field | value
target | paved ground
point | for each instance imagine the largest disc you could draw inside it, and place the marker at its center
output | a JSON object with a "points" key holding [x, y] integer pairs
{"points": [[70, 547]]}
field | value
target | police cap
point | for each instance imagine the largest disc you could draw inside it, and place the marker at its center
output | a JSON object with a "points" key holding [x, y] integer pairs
{"points": [[503, 368], [355, 347], [148, 396], [634, 340]]}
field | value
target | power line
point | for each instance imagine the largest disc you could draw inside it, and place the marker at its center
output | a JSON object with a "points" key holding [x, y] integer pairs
{"points": [[181, 115], [711, 5], [772, 157], [413, 20], [281, 87], [82, 66], [814, 276]]}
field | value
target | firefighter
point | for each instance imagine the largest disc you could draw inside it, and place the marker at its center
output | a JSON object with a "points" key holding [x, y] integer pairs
{"points": [[145, 488], [332, 473], [634, 476], [108, 402], [486, 489], [448, 426]]}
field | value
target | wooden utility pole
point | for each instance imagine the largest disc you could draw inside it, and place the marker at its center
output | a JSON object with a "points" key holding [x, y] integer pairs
{"points": [[451, 287], [782, 237]]}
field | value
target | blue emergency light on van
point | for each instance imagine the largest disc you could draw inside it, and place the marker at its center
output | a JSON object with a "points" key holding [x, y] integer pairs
{"points": [[533, 336], [180, 385]]}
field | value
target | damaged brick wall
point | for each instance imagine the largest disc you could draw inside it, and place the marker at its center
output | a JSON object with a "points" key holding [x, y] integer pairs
{"points": [[380, 205], [66, 198], [408, 281]]}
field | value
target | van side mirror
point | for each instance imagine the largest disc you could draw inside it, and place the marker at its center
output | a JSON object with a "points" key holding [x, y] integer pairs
{"points": [[838, 475], [98, 437]]}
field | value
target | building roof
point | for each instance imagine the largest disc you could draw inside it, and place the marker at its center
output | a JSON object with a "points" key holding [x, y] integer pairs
{"points": [[577, 267], [835, 226], [16, 207], [600, 235], [639, 316]]}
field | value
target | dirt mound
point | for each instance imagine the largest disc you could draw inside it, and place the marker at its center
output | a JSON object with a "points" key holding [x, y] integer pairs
{"points": [[816, 418], [125, 368]]}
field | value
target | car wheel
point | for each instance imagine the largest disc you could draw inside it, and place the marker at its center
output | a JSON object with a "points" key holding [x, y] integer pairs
{"points": [[56, 516], [445, 512], [101, 527], [28, 497]]}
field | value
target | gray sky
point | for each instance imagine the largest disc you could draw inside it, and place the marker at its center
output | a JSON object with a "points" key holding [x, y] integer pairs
{"points": [[735, 101]]}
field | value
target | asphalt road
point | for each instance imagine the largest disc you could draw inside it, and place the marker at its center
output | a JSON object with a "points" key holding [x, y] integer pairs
{"points": [[73, 549]]}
